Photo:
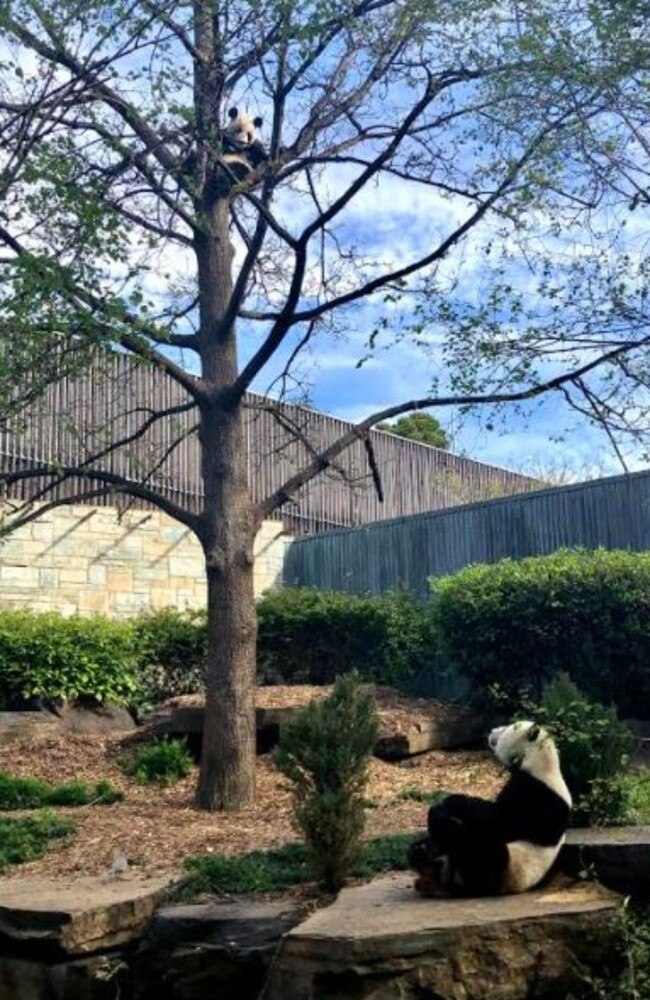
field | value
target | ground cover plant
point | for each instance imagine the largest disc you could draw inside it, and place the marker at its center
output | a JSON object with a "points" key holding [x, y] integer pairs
{"points": [[33, 793], [417, 795], [162, 762], [284, 867], [627, 976], [324, 752], [27, 838]]}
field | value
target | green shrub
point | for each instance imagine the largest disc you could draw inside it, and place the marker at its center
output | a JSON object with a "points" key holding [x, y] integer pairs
{"points": [[518, 623], [308, 636], [32, 793], [283, 867], [27, 838], [637, 792], [594, 747], [61, 658], [163, 761], [323, 751], [173, 653]]}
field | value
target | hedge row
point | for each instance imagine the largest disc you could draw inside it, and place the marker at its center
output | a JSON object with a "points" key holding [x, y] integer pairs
{"points": [[519, 623], [515, 624], [305, 637], [47, 655]]}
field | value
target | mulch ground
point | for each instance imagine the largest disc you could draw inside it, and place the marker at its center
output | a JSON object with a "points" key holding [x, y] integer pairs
{"points": [[156, 828]]}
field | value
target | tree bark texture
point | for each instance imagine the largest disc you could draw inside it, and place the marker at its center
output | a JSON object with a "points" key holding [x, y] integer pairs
{"points": [[228, 525]]}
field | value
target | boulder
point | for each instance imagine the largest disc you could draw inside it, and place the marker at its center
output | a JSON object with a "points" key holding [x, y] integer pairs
{"points": [[15, 725], [47, 919], [85, 718], [619, 856], [210, 950], [81, 718], [382, 942]]}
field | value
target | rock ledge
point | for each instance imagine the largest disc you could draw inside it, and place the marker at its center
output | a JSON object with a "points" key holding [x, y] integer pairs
{"points": [[381, 942]]}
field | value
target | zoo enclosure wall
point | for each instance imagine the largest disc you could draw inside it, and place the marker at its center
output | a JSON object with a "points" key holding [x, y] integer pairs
{"points": [[404, 552]]}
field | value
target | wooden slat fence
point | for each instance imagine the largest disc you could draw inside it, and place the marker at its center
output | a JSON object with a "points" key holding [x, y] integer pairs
{"points": [[405, 552], [78, 416]]}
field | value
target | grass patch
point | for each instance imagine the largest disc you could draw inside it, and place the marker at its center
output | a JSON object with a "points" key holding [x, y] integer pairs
{"points": [[417, 795], [163, 762], [32, 793], [283, 867], [27, 838]]}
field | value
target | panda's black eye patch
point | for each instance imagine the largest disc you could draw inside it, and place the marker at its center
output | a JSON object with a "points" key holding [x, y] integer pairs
{"points": [[533, 733]]}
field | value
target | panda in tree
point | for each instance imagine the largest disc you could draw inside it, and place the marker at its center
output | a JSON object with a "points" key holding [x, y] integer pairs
{"points": [[477, 847], [243, 149]]}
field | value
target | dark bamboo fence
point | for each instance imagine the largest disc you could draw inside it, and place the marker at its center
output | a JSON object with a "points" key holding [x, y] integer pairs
{"points": [[405, 552]]}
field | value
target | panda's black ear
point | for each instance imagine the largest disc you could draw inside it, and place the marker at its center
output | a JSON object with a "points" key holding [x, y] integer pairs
{"points": [[233, 113], [258, 122], [533, 733]]}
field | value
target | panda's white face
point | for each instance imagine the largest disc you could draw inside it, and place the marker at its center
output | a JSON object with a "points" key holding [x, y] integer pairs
{"points": [[528, 746], [513, 743], [241, 127]]}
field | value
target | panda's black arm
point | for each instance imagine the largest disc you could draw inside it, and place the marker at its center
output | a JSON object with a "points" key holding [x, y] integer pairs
{"points": [[458, 813]]}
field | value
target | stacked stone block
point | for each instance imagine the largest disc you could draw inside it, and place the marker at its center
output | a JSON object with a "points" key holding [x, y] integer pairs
{"points": [[80, 559]]}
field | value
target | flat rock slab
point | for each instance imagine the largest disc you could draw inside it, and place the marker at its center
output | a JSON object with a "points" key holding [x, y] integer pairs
{"points": [[383, 942], [619, 856], [50, 918]]}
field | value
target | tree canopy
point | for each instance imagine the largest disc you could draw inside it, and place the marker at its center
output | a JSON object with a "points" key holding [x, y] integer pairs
{"points": [[418, 427]]}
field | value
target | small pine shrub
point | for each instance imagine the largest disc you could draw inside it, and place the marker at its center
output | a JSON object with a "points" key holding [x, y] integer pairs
{"points": [[27, 838], [324, 751], [594, 747], [33, 793], [163, 762]]}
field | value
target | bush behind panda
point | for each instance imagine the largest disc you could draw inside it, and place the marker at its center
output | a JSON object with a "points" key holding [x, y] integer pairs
{"points": [[477, 847]]}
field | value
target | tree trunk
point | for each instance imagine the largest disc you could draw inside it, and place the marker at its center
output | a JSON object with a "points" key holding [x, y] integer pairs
{"points": [[228, 525], [227, 778]]}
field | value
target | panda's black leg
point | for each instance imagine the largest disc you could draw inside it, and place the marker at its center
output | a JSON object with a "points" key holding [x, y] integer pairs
{"points": [[478, 865]]}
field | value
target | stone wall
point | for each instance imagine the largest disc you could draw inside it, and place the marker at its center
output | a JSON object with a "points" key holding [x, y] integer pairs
{"points": [[87, 559]]}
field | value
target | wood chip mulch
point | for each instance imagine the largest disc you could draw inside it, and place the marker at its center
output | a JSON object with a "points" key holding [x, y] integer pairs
{"points": [[156, 828]]}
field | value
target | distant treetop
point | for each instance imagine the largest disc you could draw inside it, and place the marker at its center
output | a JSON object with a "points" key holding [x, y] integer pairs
{"points": [[418, 427]]}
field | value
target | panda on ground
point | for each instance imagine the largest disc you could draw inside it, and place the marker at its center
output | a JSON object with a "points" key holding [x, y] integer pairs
{"points": [[477, 847]]}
